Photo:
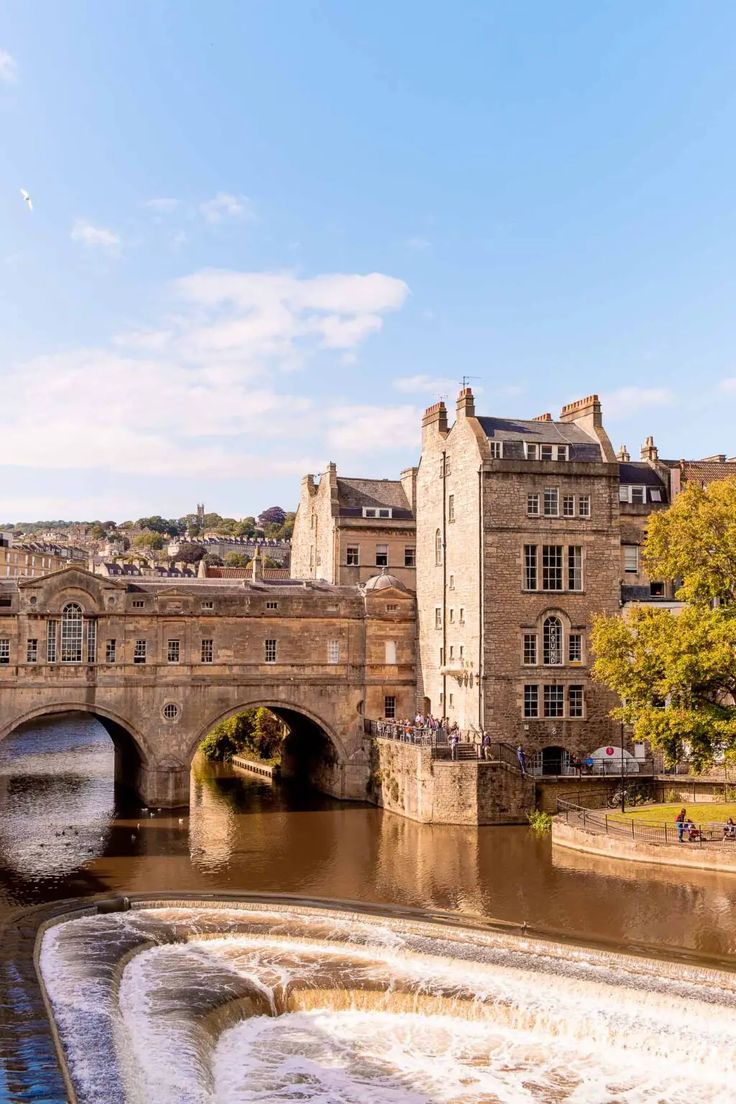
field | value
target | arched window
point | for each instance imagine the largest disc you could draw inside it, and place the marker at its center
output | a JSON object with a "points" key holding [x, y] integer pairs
{"points": [[72, 624], [438, 548], [552, 641]]}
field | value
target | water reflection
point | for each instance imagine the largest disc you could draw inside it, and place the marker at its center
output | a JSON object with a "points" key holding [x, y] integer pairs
{"points": [[61, 836]]}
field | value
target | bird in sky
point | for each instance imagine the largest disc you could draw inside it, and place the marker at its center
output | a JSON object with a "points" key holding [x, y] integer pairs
{"points": [[27, 199]]}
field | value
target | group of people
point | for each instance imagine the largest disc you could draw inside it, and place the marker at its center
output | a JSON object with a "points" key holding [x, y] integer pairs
{"points": [[429, 729], [687, 830]]}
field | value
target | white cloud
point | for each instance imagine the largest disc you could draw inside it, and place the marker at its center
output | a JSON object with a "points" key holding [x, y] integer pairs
{"points": [[418, 244], [198, 394], [95, 237], [728, 385], [225, 206], [421, 384], [365, 429], [630, 400], [163, 205], [8, 68]]}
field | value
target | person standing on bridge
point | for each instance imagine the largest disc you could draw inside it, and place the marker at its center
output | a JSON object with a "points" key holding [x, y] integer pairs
{"points": [[485, 746], [454, 741], [520, 755]]}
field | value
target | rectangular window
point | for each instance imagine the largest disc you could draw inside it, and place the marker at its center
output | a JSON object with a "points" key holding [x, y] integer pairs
{"points": [[390, 653], [110, 651], [173, 651], [638, 495], [374, 512], [531, 701], [451, 585], [575, 567], [442, 656], [381, 555], [389, 707], [584, 506], [575, 648], [444, 466], [452, 616], [655, 494], [568, 505], [530, 567], [139, 651], [554, 701], [207, 651], [531, 452], [656, 590], [91, 641], [32, 651], [352, 555], [438, 617], [4, 650], [51, 641], [623, 494], [272, 605], [631, 558], [530, 649], [551, 567], [333, 651], [496, 450], [208, 605], [452, 651], [410, 556], [270, 651], [574, 701], [461, 615], [532, 505], [392, 607], [562, 452], [450, 507], [138, 603], [546, 452], [551, 502]]}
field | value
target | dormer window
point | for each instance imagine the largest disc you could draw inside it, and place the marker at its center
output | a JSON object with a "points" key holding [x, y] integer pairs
{"points": [[636, 495], [377, 512], [496, 450], [546, 452]]}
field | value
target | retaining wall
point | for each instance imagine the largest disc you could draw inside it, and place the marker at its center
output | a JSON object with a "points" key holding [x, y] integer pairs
{"points": [[667, 854]]}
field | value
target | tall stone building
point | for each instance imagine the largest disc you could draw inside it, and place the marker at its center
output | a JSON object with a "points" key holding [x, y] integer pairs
{"points": [[347, 530], [518, 547]]}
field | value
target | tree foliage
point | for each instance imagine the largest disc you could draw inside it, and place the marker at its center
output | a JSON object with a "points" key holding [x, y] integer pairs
{"points": [[254, 731], [190, 553], [695, 541], [235, 559], [148, 539], [273, 515]]}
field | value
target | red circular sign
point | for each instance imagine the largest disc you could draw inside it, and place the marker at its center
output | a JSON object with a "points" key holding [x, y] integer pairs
{"points": [[609, 751]]}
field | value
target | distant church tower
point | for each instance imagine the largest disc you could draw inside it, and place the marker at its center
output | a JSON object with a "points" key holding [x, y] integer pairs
{"points": [[200, 514]]}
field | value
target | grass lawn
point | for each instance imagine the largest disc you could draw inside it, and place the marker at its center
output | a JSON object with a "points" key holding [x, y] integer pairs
{"points": [[700, 812]]}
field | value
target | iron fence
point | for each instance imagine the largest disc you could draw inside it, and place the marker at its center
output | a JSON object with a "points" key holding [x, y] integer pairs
{"points": [[609, 823]]}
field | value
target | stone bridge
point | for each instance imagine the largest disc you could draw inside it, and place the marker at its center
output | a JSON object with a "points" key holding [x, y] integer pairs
{"points": [[159, 662]]}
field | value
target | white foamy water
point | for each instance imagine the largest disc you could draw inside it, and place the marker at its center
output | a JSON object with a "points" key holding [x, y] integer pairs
{"points": [[280, 1004]]}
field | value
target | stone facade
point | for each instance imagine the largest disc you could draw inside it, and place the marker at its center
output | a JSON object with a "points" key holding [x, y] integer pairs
{"points": [[347, 529], [159, 662], [406, 780]]}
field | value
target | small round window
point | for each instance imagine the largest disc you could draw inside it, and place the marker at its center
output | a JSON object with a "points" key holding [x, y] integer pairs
{"points": [[34, 600], [171, 711]]}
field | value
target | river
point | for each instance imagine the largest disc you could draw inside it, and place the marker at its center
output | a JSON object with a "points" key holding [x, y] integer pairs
{"points": [[61, 836]]}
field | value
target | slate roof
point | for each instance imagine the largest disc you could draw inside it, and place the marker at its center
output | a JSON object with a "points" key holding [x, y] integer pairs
{"points": [[354, 494], [639, 474], [515, 431]]}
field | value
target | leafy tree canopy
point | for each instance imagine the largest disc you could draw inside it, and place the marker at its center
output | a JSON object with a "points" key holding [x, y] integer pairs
{"points": [[695, 541], [274, 515], [189, 553], [235, 559], [149, 539]]}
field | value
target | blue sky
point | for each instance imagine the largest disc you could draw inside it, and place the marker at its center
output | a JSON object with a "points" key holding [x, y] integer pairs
{"points": [[266, 235]]}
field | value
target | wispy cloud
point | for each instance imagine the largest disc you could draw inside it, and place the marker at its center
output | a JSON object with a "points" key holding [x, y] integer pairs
{"points": [[164, 205], [8, 68], [373, 429], [630, 400], [225, 206], [422, 384], [217, 367], [418, 244], [95, 237]]}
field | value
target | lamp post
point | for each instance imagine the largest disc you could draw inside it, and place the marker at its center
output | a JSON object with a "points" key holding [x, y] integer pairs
{"points": [[623, 789]]}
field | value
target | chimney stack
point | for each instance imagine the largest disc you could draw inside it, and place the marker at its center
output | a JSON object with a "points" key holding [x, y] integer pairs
{"points": [[434, 420], [583, 409], [623, 454], [466, 404], [649, 450]]}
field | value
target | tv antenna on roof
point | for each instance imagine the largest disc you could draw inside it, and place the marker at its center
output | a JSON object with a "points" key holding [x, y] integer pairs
{"points": [[466, 380]]}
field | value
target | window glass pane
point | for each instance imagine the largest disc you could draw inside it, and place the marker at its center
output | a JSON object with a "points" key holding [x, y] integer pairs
{"points": [[110, 650], [451, 508], [410, 557], [4, 650], [207, 653], [568, 505], [353, 555], [551, 567], [638, 495], [438, 548], [623, 494], [631, 557], [530, 567], [51, 641], [530, 648], [531, 452], [532, 504], [91, 641], [575, 648], [551, 504], [575, 701], [71, 633], [172, 655], [562, 452], [552, 641], [139, 651], [32, 651], [554, 701], [333, 651], [575, 567], [270, 651], [584, 505], [531, 701], [389, 707], [546, 452], [381, 555]]}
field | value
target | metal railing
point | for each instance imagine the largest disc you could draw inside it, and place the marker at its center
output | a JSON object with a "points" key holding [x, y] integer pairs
{"points": [[713, 833], [438, 740]]}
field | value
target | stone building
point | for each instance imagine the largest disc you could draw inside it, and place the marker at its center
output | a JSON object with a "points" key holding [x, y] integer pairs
{"points": [[518, 547], [348, 529], [31, 559]]}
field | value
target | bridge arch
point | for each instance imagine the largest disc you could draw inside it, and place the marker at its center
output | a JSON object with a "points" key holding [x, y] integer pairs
{"points": [[131, 751], [313, 750]]}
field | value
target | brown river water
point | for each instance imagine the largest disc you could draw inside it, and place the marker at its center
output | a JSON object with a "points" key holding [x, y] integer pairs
{"points": [[61, 836]]}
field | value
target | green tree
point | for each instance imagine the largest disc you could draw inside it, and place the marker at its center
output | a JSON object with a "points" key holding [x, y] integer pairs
{"points": [[695, 541], [675, 674], [254, 731], [235, 559], [189, 553], [147, 539]]}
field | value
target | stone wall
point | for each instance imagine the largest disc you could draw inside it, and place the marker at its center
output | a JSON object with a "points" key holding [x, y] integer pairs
{"points": [[406, 780], [637, 851]]}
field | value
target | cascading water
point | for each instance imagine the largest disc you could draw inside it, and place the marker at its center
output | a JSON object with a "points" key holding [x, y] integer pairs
{"points": [[278, 1003]]}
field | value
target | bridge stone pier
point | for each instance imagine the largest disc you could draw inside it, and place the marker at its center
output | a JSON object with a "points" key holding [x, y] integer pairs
{"points": [[160, 661]]}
